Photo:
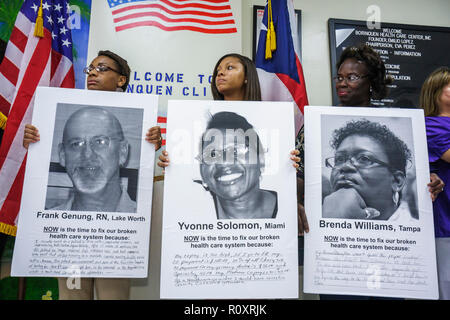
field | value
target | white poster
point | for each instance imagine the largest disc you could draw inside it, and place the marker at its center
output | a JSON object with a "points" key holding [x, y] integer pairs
{"points": [[367, 202], [86, 202], [230, 213]]}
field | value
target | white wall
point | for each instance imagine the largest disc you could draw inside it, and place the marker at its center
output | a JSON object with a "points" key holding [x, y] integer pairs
{"points": [[315, 15]]}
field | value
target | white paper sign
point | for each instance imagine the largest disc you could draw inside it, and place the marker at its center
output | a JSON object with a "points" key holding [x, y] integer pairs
{"points": [[367, 202], [86, 202], [230, 217]]}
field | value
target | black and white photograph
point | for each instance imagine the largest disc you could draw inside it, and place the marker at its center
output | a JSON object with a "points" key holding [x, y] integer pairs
{"points": [[229, 201], [368, 205], [88, 186], [232, 161], [368, 168], [95, 159]]}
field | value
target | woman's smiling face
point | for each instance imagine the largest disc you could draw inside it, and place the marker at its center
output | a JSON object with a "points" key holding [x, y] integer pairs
{"points": [[230, 165]]}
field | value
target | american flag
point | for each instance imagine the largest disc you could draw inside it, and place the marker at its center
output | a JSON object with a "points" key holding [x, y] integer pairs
{"points": [[29, 62], [205, 16]]}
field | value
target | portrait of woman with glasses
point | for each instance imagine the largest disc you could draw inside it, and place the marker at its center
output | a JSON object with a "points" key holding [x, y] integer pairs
{"points": [[231, 163], [368, 173]]}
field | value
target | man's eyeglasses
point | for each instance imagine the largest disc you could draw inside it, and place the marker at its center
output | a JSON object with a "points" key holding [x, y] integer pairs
{"points": [[360, 161], [97, 143], [100, 68], [350, 78]]}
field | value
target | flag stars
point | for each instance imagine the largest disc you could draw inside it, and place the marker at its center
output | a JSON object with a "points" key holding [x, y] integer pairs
{"points": [[63, 30], [49, 20], [61, 20], [58, 7], [53, 36], [45, 6], [34, 7], [68, 8], [66, 43]]}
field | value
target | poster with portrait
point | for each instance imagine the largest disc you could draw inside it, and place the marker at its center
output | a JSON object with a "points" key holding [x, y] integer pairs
{"points": [[86, 201], [230, 214], [367, 202]]}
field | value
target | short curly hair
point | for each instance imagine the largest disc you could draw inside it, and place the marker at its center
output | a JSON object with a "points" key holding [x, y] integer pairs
{"points": [[396, 150], [377, 70]]}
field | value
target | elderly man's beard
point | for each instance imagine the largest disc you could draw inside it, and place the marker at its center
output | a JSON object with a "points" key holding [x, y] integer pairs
{"points": [[89, 179]]}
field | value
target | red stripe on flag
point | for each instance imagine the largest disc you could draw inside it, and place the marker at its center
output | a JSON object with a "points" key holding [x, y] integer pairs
{"points": [[160, 26], [26, 91], [297, 90], [195, 5], [162, 120], [12, 201], [9, 70], [56, 58], [163, 17], [163, 130], [69, 79], [19, 39], [4, 105], [157, 6]]}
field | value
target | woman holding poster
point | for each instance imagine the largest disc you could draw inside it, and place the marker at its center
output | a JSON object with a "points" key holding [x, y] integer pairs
{"points": [[435, 100]]}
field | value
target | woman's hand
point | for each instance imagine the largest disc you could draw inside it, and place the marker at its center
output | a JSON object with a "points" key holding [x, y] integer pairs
{"points": [[435, 186], [164, 160], [154, 136], [31, 135], [345, 203], [294, 154]]}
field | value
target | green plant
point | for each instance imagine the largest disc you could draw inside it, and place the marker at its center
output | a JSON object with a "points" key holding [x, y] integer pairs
{"points": [[8, 14]]}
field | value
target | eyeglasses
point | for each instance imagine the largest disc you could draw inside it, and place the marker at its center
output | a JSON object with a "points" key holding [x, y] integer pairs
{"points": [[215, 156], [350, 78], [100, 68], [97, 143], [360, 161]]}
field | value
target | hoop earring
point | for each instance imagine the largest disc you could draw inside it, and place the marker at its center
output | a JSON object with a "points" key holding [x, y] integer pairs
{"points": [[396, 198]]}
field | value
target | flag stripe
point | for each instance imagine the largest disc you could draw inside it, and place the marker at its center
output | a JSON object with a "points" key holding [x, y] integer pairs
{"points": [[56, 58], [172, 6], [69, 81], [19, 39], [14, 54], [190, 28], [26, 90], [197, 16], [165, 18], [12, 201], [159, 8], [5, 105], [9, 70]]}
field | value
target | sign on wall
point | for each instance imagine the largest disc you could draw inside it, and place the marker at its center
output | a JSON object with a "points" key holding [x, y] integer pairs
{"points": [[409, 52]]}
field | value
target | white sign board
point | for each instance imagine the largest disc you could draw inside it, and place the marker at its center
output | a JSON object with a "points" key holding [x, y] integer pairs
{"points": [[86, 202], [368, 207], [230, 213]]}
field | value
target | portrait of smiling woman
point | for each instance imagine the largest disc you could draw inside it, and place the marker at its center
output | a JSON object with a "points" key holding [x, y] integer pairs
{"points": [[231, 162], [368, 173]]}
